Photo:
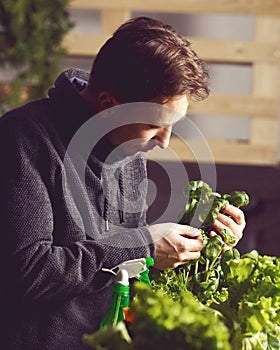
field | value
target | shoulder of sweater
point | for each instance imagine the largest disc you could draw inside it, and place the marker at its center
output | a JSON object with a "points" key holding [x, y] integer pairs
{"points": [[26, 117], [26, 127]]}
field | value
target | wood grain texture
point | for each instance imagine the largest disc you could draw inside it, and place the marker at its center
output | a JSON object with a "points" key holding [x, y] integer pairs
{"points": [[250, 7]]}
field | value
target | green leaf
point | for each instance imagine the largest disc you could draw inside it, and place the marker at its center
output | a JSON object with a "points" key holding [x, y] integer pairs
{"points": [[107, 338], [228, 238], [238, 198]]}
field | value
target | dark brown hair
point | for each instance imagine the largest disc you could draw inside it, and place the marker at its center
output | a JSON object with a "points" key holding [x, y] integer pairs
{"points": [[147, 60]]}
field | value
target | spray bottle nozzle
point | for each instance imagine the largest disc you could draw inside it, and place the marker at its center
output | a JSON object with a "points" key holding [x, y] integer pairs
{"points": [[137, 268], [134, 267]]}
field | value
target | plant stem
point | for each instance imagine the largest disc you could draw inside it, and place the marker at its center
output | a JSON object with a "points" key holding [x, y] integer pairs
{"points": [[207, 269], [196, 267]]}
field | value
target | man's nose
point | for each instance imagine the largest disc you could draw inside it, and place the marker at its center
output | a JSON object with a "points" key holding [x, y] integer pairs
{"points": [[163, 137]]}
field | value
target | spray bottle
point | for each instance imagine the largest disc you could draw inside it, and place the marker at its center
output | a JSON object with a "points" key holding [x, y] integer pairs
{"points": [[137, 268]]}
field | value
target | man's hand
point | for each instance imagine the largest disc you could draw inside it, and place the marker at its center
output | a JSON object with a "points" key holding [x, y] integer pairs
{"points": [[232, 219], [175, 244]]}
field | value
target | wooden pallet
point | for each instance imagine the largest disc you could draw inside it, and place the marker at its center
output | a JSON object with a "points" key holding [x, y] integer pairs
{"points": [[263, 53]]}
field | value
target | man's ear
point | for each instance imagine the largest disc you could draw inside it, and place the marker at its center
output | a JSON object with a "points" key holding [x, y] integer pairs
{"points": [[106, 100]]}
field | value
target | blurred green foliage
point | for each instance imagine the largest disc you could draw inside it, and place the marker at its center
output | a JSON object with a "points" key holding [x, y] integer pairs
{"points": [[31, 34]]}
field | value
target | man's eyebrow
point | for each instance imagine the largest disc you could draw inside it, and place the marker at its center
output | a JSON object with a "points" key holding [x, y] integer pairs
{"points": [[171, 124]]}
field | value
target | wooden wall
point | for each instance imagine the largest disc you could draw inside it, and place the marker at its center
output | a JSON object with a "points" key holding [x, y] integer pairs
{"points": [[262, 53]]}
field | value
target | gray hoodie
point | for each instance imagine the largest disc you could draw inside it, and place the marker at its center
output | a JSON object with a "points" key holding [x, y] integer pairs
{"points": [[59, 229]]}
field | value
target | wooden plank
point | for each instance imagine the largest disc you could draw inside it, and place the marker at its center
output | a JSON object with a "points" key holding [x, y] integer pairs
{"points": [[220, 152], [264, 131], [85, 44], [266, 83], [112, 18], [225, 51], [237, 105], [237, 51], [249, 7]]}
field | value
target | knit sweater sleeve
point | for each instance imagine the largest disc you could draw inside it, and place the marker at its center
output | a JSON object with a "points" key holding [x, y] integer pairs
{"points": [[36, 268]]}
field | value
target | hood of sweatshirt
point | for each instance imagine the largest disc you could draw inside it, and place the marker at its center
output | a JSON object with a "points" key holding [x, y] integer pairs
{"points": [[123, 179]]}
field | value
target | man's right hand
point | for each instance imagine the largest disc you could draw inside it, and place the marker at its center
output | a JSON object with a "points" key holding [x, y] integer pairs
{"points": [[175, 244]]}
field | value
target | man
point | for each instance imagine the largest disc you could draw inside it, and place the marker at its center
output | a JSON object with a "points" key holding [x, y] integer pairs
{"points": [[60, 225]]}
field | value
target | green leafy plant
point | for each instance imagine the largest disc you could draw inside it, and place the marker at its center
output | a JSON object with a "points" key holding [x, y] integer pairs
{"points": [[205, 205], [31, 33], [246, 292], [159, 325], [221, 301]]}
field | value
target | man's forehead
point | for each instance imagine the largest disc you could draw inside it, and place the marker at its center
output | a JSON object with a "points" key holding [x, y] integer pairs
{"points": [[168, 118], [144, 113], [154, 113]]}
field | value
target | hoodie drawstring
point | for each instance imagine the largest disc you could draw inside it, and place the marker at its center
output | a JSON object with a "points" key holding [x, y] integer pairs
{"points": [[121, 203], [121, 187]]}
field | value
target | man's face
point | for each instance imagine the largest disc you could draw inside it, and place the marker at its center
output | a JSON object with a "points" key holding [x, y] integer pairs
{"points": [[153, 130]]}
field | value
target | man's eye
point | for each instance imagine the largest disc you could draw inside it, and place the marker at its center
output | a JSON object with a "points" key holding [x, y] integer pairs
{"points": [[152, 126]]}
